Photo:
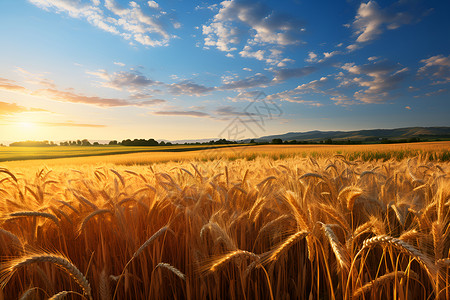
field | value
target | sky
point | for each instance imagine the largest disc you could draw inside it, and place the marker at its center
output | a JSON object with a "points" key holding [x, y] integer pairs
{"points": [[172, 70]]}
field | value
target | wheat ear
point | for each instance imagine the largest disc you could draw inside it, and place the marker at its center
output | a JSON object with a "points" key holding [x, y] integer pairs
{"points": [[403, 246], [25, 214], [104, 287], [232, 255], [91, 215], [151, 239], [58, 260], [60, 295], [341, 254], [382, 280], [291, 240], [172, 269], [28, 294]]}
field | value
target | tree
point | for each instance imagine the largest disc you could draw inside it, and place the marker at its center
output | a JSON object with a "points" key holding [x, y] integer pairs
{"points": [[277, 141], [85, 142]]}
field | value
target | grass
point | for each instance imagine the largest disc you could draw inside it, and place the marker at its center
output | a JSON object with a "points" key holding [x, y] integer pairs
{"points": [[264, 222]]}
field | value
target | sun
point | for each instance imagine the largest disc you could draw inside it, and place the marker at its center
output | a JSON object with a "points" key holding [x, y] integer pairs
{"points": [[27, 125]]}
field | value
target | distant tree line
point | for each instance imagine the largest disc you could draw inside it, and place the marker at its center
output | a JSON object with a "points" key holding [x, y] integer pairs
{"points": [[33, 144], [127, 142], [153, 142], [84, 142]]}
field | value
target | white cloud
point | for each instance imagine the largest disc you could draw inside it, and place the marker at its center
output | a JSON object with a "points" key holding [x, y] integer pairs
{"points": [[284, 62], [313, 85], [253, 21], [312, 57], [376, 81], [257, 80], [247, 52], [438, 67], [371, 21], [188, 87], [221, 36], [293, 96], [353, 47], [129, 23], [287, 73], [129, 80], [270, 56], [297, 95], [438, 92], [247, 69], [153, 4], [343, 100], [210, 7], [328, 55], [118, 63]]}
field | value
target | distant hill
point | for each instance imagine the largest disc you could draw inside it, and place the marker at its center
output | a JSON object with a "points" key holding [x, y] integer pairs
{"points": [[363, 135]]}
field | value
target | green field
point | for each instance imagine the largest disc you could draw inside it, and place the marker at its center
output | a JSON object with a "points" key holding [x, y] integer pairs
{"points": [[26, 153]]}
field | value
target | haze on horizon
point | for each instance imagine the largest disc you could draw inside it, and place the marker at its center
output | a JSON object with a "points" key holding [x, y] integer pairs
{"points": [[109, 69]]}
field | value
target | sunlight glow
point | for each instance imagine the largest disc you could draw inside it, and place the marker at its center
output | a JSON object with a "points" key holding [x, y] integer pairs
{"points": [[27, 125]]}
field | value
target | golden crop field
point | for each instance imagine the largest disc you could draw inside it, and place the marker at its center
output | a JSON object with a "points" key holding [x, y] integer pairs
{"points": [[267, 222], [432, 150]]}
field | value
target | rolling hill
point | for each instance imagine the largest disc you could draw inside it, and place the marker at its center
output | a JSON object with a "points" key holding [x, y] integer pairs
{"points": [[364, 135]]}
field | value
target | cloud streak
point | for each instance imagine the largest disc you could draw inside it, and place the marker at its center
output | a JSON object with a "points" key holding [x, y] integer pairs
{"points": [[70, 124], [287, 73], [131, 80], [72, 97], [182, 113], [438, 67], [188, 87], [13, 108], [257, 80]]}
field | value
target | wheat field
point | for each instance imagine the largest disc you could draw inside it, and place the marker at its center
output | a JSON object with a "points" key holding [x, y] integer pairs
{"points": [[293, 227]]}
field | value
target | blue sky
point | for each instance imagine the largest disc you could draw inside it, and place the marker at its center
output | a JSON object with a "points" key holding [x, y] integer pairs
{"points": [[109, 69]]}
